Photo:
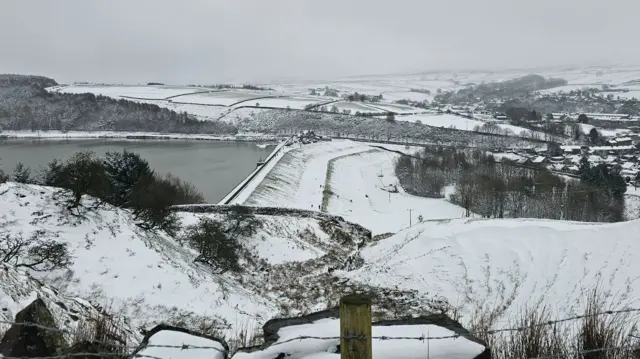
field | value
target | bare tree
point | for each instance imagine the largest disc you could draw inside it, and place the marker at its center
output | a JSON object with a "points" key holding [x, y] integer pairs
{"points": [[34, 252]]}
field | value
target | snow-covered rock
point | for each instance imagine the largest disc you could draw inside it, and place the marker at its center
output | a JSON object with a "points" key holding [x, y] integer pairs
{"points": [[18, 290]]}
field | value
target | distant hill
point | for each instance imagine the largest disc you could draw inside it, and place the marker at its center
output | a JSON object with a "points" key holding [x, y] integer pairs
{"points": [[26, 105]]}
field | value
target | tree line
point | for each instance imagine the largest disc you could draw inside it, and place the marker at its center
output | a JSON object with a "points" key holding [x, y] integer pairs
{"points": [[504, 189], [125, 180]]}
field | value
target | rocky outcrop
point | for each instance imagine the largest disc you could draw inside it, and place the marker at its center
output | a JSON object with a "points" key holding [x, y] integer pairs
{"points": [[39, 340], [66, 314]]}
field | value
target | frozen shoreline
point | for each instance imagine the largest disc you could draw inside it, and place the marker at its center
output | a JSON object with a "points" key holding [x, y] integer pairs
{"points": [[80, 135]]}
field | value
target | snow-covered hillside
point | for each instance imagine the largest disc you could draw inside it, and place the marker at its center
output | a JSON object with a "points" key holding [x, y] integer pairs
{"points": [[151, 278], [485, 264], [296, 264], [148, 278]]}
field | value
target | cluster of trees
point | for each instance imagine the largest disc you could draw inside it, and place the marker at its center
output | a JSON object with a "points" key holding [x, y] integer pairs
{"points": [[504, 90], [425, 91], [329, 92], [26, 105], [420, 104], [359, 97], [231, 87], [565, 102], [335, 109], [505, 189]]}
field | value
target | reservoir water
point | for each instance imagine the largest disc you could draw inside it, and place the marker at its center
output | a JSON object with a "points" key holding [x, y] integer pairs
{"points": [[214, 167]]}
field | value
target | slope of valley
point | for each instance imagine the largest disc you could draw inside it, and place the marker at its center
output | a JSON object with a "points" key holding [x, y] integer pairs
{"points": [[150, 278]]}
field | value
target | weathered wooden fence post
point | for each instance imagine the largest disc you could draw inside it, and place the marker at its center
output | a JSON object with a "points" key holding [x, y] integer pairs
{"points": [[355, 327]]}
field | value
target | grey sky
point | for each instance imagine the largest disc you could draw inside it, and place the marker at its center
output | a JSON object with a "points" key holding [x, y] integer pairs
{"points": [[207, 41]]}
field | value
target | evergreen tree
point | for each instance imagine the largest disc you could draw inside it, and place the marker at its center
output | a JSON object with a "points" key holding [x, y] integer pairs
{"points": [[22, 173], [50, 176], [124, 170], [3, 176]]}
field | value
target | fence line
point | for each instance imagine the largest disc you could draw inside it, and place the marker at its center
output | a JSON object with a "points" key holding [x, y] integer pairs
{"points": [[344, 337]]}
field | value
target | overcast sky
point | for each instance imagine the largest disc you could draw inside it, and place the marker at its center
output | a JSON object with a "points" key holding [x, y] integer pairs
{"points": [[207, 41]]}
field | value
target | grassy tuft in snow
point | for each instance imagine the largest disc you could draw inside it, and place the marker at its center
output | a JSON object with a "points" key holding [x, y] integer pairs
{"points": [[596, 334]]}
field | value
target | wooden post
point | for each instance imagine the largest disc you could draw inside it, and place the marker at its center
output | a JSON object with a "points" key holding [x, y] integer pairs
{"points": [[355, 327]]}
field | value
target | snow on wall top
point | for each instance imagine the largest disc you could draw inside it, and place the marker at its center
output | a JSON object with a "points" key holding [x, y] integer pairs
{"points": [[460, 347], [169, 344]]}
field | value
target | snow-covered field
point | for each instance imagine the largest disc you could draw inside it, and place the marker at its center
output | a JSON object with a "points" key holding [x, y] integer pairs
{"points": [[606, 132], [471, 263], [221, 98], [142, 92], [407, 95], [396, 108], [360, 184], [442, 120], [462, 123], [291, 102], [355, 107]]}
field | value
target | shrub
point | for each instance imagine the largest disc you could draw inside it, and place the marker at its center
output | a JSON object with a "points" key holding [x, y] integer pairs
{"points": [[186, 192], [34, 252], [242, 222], [3, 176], [215, 247], [51, 175], [100, 336], [151, 201]]}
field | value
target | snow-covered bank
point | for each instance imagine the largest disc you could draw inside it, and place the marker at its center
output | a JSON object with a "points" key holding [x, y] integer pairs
{"points": [[297, 179], [77, 135], [484, 264]]}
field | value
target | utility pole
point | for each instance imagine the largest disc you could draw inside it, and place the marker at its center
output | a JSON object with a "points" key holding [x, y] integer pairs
{"points": [[410, 209]]}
